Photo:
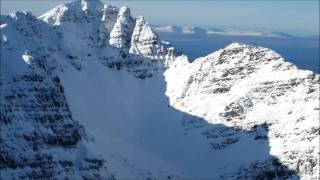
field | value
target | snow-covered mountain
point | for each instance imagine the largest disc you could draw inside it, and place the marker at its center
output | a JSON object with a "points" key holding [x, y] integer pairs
{"points": [[90, 92], [193, 30]]}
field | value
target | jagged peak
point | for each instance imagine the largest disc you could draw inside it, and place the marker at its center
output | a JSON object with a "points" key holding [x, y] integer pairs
{"points": [[124, 14], [71, 10], [243, 46], [143, 31], [109, 13], [238, 45], [140, 19], [55, 15], [108, 6], [243, 53], [91, 5], [141, 22], [122, 30]]}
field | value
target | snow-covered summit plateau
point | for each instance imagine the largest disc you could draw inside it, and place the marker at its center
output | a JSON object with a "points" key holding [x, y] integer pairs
{"points": [[90, 92]]}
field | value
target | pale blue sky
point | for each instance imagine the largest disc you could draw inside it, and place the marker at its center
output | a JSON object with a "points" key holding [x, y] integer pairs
{"points": [[295, 17]]}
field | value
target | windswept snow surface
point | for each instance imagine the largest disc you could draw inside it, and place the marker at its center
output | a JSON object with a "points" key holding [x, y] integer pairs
{"points": [[131, 117], [88, 91]]}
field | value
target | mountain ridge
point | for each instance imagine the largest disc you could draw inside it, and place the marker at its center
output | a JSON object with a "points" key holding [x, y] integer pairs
{"points": [[104, 98]]}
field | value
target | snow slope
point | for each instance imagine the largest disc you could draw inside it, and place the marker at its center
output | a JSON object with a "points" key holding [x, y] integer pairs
{"points": [[88, 91]]}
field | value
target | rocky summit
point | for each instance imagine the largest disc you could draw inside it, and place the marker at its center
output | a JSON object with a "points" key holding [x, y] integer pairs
{"points": [[90, 92]]}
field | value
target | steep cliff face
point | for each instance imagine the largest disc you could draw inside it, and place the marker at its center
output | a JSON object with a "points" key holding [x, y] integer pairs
{"points": [[39, 137], [113, 35], [88, 91], [120, 35], [242, 86]]}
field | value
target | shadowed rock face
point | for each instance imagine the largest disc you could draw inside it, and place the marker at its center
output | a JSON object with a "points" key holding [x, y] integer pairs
{"points": [[100, 96], [37, 126]]}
